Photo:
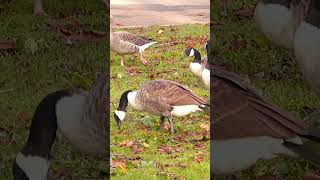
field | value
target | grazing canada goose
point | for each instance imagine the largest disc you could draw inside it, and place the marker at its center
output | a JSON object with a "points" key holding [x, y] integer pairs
{"points": [[80, 116], [247, 127], [123, 43], [278, 19], [307, 47], [160, 97]]}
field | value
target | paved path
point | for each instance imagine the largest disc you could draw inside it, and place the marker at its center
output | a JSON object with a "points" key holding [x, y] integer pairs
{"points": [[134, 14]]}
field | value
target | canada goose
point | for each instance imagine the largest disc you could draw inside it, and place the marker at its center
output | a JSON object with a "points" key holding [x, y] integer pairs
{"points": [[160, 97], [247, 127], [278, 19], [307, 47], [38, 7], [80, 116], [123, 43]]}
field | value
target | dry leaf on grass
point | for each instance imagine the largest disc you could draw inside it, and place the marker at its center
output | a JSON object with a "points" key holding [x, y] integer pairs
{"points": [[8, 45], [136, 148], [169, 149], [126, 143], [205, 126]]}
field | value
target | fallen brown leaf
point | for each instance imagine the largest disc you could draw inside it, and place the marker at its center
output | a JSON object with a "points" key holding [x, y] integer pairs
{"points": [[205, 126], [136, 148], [8, 45], [244, 13], [169, 149], [126, 143], [199, 146], [311, 176]]}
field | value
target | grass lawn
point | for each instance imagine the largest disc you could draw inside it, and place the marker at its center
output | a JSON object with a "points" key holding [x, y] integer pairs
{"points": [[274, 70], [139, 149], [43, 64]]}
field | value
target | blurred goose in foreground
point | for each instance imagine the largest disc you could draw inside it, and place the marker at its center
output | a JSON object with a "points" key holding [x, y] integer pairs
{"points": [[163, 98], [278, 19], [80, 116], [123, 43], [307, 45], [247, 127]]}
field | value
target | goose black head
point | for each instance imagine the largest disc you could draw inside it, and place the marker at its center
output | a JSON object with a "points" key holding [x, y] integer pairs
{"points": [[193, 52], [32, 162], [120, 113]]}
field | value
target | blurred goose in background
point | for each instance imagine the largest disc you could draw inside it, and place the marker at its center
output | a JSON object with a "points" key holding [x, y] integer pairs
{"points": [[205, 75], [163, 98], [123, 43], [81, 116], [38, 7], [307, 45], [248, 127], [278, 19], [197, 65]]}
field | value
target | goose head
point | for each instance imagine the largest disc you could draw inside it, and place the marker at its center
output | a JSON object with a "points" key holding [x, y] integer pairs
{"points": [[195, 65], [32, 162], [126, 98]]}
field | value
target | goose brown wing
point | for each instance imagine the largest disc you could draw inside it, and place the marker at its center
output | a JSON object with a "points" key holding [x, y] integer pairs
{"points": [[132, 38], [237, 104], [170, 93]]}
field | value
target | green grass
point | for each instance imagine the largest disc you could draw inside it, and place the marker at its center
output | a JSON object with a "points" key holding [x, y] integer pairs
{"points": [[164, 62], [274, 70], [53, 66]]}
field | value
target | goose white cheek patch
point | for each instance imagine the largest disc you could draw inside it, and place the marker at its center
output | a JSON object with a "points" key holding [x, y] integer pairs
{"points": [[191, 53], [121, 115], [35, 167]]}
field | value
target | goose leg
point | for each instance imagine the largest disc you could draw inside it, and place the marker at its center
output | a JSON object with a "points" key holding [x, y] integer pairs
{"points": [[142, 59], [122, 60], [161, 122], [171, 124]]}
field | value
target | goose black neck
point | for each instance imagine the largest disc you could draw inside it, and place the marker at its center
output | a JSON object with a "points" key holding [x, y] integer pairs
{"points": [[44, 126], [197, 56], [123, 104]]}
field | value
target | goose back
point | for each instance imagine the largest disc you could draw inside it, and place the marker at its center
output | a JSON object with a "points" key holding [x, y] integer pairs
{"points": [[159, 96]]}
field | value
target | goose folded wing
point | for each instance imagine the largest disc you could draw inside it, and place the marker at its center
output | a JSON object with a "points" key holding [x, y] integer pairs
{"points": [[179, 95], [133, 39], [237, 105]]}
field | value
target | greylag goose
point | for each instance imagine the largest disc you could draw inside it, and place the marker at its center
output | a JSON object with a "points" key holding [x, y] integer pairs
{"points": [[278, 19], [123, 43], [307, 45], [163, 98], [247, 127], [81, 116]]}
